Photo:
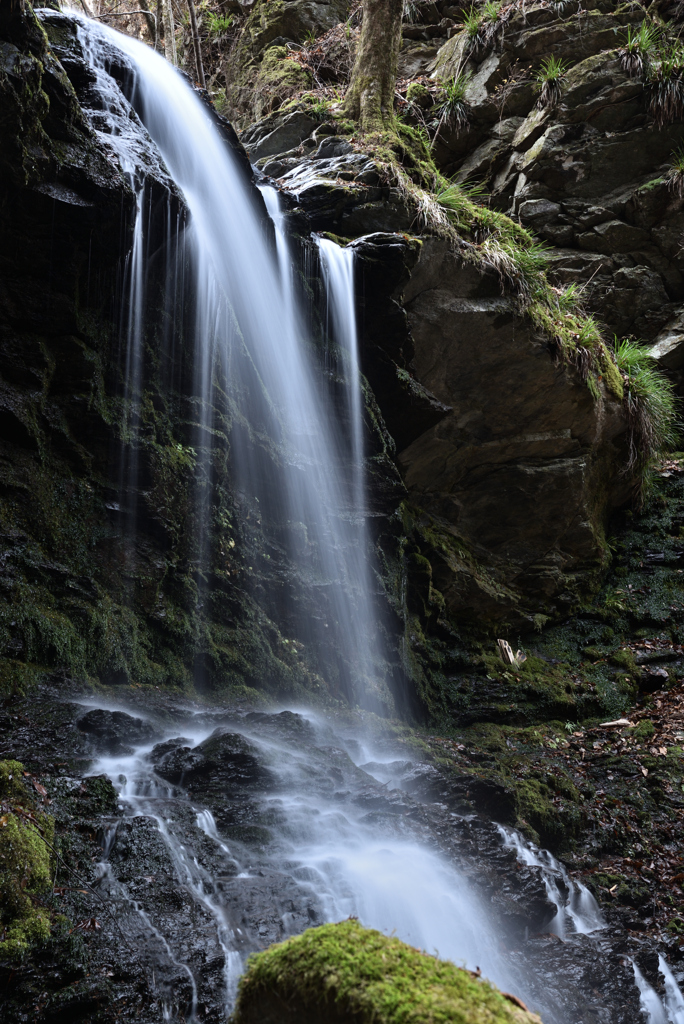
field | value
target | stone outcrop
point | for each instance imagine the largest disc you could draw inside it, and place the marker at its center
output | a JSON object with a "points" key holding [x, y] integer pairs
{"points": [[514, 464], [525, 467], [588, 175], [283, 21]]}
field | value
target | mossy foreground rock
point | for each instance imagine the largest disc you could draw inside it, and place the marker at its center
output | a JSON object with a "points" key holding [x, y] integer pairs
{"points": [[346, 974]]}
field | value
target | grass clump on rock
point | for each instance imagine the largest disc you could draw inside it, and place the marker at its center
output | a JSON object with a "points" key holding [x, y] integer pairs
{"points": [[24, 865], [651, 404], [550, 76], [346, 974]]}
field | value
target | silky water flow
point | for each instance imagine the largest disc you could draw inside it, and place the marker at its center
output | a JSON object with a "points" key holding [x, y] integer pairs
{"points": [[322, 855]]}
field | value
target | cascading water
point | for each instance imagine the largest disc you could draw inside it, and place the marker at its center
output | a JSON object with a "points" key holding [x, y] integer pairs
{"points": [[338, 274], [578, 911], [332, 841], [246, 322], [668, 1009], [331, 860]]}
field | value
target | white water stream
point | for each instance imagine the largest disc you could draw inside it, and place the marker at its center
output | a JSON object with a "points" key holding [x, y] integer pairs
{"points": [[333, 852], [329, 850], [578, 911], [248, 326]]}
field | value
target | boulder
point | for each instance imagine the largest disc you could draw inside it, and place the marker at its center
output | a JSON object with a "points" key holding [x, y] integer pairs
{"points": [[291, 20], [115, 732], [520, 467], [668, 348], [277, 134], [343, 973], [226, 759]]}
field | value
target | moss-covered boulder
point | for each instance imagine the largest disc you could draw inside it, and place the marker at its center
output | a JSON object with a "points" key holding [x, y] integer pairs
{"points": [[24, 865], [347, 974]]}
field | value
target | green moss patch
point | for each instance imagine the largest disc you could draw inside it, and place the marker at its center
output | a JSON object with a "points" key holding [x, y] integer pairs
{"points": [[24, 865], [344, 972]]}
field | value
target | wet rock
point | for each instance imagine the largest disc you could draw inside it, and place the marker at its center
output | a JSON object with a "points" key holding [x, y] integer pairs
{"points": [[277, 134], [225, 758], [485, 460], [461, 792], [115, 732], [287, 724], [409, 408], [176, 763]]}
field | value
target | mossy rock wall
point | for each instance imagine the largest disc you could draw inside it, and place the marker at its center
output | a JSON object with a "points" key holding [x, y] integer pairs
{"points": [[26, 836]]}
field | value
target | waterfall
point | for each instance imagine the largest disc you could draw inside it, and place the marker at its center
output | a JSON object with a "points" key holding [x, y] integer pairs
{"points": [[338, 273], [247, 328], [332, 850]]}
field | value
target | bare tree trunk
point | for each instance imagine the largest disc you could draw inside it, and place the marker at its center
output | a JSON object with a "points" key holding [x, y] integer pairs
{"points": [[169, 33], [159, 42], [370, 96], [150, 21], [196, 44]]}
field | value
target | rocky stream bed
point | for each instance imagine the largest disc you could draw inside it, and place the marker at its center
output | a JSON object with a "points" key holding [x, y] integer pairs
{"points": [[192, 833]]}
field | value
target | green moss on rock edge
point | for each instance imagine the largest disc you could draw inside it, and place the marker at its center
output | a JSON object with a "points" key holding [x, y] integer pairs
{"points": [[347, 973], [24, 865]]}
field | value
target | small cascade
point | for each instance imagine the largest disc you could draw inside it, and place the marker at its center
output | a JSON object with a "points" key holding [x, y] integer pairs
{"points": [[337, 264], [144, 794], [665, 1009], [674, 999], [330, 859], [651, 1002], [578, 912]]}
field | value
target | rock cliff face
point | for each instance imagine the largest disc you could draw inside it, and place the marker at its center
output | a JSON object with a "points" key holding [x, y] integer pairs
{"points": [[591, 174], [512, 463], [525, 466]]}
